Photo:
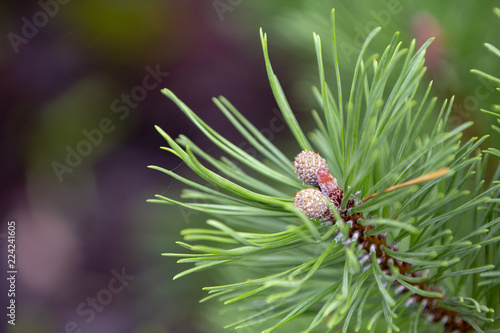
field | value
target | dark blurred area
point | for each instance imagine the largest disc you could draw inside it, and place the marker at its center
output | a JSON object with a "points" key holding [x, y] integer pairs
{"points": [[80, 94]]}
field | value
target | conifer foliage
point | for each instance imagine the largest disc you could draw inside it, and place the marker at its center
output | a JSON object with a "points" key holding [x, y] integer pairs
{"points": [[382, 222]]}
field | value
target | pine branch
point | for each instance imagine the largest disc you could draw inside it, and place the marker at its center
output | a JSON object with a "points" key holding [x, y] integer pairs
{"points": [[420, 244], [384, 257]]}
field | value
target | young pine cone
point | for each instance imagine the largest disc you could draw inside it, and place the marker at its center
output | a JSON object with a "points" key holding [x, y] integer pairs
{"points": [[307, 164], [329, 186], [311, 202]]}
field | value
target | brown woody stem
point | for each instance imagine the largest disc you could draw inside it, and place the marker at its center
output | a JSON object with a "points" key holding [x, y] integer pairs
{"points": [[329, 187], [438, 313]]}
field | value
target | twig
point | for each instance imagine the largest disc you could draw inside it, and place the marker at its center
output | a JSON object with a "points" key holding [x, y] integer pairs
{"points": [[432, 175]]}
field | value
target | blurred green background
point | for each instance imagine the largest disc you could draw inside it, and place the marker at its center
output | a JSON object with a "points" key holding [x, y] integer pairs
{"points": [[80, 93]]}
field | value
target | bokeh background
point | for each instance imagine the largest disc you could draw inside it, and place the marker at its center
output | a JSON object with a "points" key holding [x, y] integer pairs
{"points": [[73, 69]]}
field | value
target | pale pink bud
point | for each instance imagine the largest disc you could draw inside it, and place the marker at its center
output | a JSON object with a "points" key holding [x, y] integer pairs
{"points": [[311, 202], [307, 164]]}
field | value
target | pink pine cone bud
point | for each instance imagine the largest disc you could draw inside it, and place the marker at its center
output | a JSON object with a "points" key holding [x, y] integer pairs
{"points": [[307, 164], [329, 186]]}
